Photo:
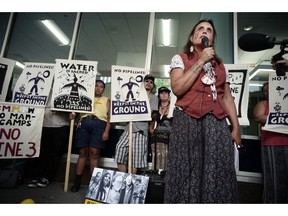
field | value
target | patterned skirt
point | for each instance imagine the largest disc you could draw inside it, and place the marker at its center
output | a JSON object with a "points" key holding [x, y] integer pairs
{"points": [[200, 161]]}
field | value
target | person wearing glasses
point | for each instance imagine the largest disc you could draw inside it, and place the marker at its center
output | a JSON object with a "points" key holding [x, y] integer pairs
{"points": [[140, 136], [201, 145]]}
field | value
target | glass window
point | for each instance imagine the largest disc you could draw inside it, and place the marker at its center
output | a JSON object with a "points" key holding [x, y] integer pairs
{"points": [[172, 31], [268, 24], [4, 18], [113, 39], [31, 41]]}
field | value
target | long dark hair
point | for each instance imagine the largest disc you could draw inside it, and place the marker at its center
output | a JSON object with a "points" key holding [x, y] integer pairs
{"points": [[101, 194], [186, 48]]}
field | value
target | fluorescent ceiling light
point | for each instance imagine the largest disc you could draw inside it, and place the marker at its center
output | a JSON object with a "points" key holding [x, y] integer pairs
{"points": [[166, 69], [19, 64], [248, 28], [105, 79], [256, 84], [166, 33], [166, 27], [59, 34]]}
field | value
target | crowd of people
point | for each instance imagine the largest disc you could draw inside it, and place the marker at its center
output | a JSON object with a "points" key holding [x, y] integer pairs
{"points": [[195, 147]]}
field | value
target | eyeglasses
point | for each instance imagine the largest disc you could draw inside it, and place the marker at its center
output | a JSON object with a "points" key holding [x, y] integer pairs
{"points": [[150, 81]]}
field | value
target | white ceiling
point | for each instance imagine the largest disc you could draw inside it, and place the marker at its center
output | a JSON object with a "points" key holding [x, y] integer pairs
{"points": [[104, 34]]}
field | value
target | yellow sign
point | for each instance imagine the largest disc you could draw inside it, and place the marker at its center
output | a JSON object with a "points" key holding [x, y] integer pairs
{"points": [[88, 201]]}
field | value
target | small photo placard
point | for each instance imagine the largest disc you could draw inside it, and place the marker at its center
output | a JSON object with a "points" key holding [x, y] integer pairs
{"points": [[113, 187]]}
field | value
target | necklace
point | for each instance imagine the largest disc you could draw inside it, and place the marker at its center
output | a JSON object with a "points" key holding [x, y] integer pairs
{"points": [[164, 109], [164, 106]]}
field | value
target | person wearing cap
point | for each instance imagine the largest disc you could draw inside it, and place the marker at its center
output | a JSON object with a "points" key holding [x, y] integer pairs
{"points": [[160, 131], [139, 136]]}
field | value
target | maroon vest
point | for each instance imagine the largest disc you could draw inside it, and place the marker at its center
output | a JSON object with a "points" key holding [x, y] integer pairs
{"points": [[198, 100]]}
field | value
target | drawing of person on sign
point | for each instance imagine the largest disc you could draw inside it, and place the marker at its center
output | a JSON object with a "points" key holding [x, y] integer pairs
{"points": [[129, 85], [74, 93], [36, 80]]}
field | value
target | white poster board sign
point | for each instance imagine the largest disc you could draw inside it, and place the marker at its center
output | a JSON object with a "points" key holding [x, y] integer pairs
{"points": [[277, 120], [34, 84], [20, 131], [239, 85], [129, 99], [6, 69], [74, 86]]}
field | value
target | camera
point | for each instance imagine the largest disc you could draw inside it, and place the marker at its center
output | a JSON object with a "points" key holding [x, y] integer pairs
{"points": [[252, 42], [280, 70]]}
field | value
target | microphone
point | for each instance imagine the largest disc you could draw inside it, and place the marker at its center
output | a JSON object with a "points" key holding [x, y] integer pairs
{"points": [[252, 42], [205, 41]]}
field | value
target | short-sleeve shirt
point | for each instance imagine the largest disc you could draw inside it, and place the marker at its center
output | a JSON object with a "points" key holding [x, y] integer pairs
{"points": [[177, 62]]}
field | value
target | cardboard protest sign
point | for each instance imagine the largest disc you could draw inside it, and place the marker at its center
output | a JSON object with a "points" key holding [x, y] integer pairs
{"points": [[129, 99], [239, 85], [34, 84], [277, 120], [20, 131], [6, 69], [74, 86]]}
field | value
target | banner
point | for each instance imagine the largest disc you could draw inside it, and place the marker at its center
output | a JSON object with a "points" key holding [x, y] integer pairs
{"points": [[34, 84], [277, 120], [129, 99], [20, 130], [113, 187], [6, 69], [239, 85], [74, 86]]}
